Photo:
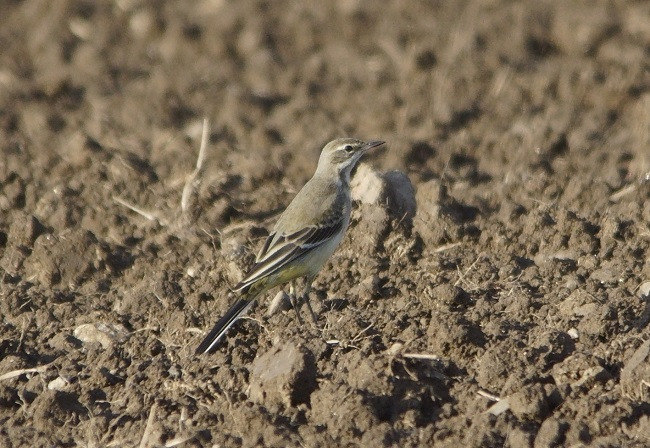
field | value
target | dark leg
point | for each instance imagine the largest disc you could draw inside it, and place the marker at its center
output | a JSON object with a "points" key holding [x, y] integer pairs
{"points": [[308, 282], [292, 299]]}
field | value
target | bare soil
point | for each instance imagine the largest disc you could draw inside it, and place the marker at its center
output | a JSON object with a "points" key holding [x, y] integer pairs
{"points": [[512, 310]]}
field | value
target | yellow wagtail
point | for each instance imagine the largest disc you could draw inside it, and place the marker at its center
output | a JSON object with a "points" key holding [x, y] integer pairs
{"points": [[305, 236]]}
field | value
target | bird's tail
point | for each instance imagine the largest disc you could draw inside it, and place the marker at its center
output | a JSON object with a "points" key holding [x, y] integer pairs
{"points": [[238, 310]]}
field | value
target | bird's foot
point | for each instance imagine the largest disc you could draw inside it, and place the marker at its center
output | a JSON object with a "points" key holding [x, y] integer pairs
{"points": [[296, 307], [313, 315]]}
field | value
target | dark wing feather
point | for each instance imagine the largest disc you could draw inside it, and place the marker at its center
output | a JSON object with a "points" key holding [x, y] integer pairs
{"points": [[278, 251]]}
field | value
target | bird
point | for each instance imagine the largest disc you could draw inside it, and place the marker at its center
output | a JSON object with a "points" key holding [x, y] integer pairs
{"points": [[304, 236]]}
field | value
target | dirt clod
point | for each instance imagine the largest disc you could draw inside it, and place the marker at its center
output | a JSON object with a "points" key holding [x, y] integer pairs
{"points": [[284, 375], [529, 403]]}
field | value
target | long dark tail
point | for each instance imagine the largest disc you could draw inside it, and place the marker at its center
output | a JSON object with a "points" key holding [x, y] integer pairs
{"points": [[235, 312]]}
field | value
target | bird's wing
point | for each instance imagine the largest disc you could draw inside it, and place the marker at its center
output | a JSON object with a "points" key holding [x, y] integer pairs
{"points": [[279, 250]]}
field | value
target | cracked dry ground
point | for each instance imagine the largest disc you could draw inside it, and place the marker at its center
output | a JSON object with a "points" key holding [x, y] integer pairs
{"points": [[523, 276]]}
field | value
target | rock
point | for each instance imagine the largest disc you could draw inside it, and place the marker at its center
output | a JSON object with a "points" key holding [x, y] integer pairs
{"points": [[280, 302], [499, 407], [106, 334], [284, 375], [367, 186], [58, 383], [392, 190]]}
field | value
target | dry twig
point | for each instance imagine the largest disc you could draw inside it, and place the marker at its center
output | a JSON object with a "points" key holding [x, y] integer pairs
{"points": [[144, 442], [190, 190], [15, 373]]}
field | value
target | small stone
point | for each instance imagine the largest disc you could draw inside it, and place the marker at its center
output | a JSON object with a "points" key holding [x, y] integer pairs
{"points": [[174, 372], [105, 334], [280, 302], [450, 295], [573, 333], [394, 349], [499, 407], [58, 383]]}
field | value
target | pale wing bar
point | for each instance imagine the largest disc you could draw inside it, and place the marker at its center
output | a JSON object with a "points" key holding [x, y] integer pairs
{"points": [[287, 249]]}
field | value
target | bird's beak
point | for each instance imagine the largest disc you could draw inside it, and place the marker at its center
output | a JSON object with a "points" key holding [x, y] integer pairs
{"points": [[372, 144]]}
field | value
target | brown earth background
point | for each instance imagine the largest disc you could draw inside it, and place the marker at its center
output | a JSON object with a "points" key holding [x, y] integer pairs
{"points": [[512, 310]]}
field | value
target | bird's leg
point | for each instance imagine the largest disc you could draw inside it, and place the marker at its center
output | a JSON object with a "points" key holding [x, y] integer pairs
{"points": [[292, 299], [308, 282]]}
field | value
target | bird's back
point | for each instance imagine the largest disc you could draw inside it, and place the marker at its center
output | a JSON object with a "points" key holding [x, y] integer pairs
{"points": [[319, 202]]}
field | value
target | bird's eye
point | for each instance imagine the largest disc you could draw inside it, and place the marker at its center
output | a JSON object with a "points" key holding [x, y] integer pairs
{"points": [[348, 148]]}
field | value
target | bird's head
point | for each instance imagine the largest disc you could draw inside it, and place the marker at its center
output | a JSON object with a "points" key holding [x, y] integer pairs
{"points": [[341, 155]]}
